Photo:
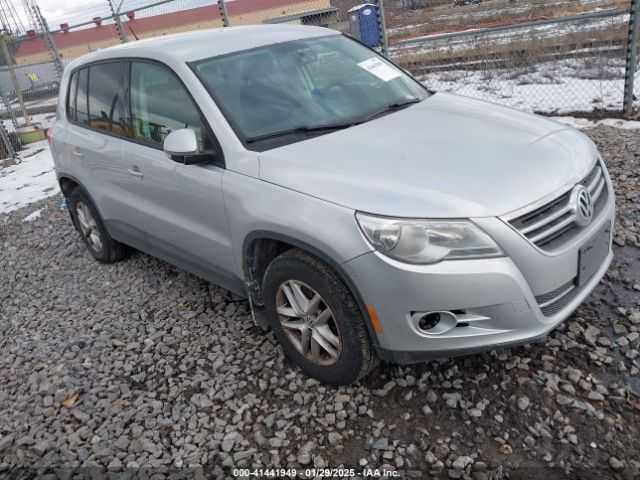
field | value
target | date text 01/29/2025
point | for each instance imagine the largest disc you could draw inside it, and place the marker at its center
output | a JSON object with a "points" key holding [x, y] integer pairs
{"points": [[315, 472]]}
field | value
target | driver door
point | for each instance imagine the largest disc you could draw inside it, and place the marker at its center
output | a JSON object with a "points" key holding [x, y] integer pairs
{"points": [[180, 206]]}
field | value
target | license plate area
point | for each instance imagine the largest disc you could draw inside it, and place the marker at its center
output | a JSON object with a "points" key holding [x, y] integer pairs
{"points": [[593, 253]]}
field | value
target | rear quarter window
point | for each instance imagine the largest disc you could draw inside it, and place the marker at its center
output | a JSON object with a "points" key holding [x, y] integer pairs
{"points": [[71, 96], [77, 97]]}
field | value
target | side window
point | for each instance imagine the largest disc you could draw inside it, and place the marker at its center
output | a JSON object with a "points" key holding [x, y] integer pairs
{"points": [[105, 97], [160, 104], [71, 97], [82, 114]]}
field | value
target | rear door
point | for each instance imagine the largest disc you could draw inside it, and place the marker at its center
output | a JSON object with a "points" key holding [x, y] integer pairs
{"points": [[95, 141], [181, 207]]}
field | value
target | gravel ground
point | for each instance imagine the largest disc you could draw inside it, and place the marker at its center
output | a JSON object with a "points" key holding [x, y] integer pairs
{"points": [[139, 367]]}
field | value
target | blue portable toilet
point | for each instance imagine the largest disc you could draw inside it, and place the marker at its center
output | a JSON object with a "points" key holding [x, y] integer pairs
{"points": [[363, 22]]}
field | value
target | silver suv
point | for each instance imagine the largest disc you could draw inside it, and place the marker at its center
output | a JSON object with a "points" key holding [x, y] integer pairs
{"points": [[363, 216]]}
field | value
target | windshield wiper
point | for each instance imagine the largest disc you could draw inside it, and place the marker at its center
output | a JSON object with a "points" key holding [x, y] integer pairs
{"points": [[333, 126], [301, 129], [393, 108]]}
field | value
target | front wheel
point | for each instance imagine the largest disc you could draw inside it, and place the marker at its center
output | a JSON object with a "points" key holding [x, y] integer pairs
{"points": [[316, 320]]}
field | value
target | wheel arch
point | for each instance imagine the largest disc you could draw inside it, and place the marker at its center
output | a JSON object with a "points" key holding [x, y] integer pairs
{"points": [[68, 183], [261, 247]]}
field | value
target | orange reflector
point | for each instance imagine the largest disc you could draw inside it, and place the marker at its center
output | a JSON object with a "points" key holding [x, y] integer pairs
{"points": [[374, 319]]}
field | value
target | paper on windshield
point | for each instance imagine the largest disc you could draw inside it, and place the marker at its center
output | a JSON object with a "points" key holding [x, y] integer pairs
{"points": [[377, 67]]}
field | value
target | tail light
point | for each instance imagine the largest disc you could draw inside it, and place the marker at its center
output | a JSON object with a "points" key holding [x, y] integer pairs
{"points": [[49, 135]]}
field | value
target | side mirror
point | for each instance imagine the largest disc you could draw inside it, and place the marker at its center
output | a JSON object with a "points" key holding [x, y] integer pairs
{"points": [[181, 144]]}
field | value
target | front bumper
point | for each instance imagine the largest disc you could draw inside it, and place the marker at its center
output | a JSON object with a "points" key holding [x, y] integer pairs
{"points": [[494, 298]]}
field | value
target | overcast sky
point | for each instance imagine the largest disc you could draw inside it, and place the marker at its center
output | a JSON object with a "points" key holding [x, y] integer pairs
{"points": [[61, 8], [61, 11], [78, 11]]}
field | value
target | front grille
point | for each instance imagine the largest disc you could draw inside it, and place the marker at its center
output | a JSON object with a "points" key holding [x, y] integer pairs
{"points": [[552, 225], [553, 302]]}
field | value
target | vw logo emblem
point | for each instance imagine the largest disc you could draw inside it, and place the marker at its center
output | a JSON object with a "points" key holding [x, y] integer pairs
{"points": [[310, 321], [582, 205]]}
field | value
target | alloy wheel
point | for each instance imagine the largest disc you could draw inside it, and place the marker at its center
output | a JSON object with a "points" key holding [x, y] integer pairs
{"points": [[308, 322], [89, 227]]}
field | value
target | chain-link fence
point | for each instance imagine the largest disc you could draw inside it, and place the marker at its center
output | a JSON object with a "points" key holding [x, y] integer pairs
{"points": [[548, 65], [543, 63], [552, 57], [34, 79], [632, 74]]}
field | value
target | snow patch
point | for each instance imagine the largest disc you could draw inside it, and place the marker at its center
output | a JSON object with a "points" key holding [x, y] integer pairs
{"points": [[583, 123], [33, 216], [31, 180], [556, 87]]}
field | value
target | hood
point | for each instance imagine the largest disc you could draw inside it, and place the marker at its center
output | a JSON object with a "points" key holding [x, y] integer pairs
{"points": [[448, 156]]}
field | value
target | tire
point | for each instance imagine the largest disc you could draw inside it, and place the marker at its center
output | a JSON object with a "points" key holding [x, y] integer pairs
{"points": [[89, 224], [337, 351]]}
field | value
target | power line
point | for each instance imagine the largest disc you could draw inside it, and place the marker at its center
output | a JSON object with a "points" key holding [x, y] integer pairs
{"points": [[9, 18]]}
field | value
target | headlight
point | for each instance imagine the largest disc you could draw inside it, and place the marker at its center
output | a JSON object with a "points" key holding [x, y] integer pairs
{"points": [[427, 241]]}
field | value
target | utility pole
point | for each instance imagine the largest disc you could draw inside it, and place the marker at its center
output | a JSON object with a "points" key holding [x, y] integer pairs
{"points": [[383, 27], [223, 13], [30, 10], [116, 17], [632, 53], [46, 33], [14, 79]]}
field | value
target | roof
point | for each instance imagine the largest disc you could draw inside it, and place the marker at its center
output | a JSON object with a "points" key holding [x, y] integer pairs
{"points": [[141, 26], [199, 44]]}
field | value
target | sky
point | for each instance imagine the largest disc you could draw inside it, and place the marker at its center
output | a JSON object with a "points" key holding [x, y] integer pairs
{"points": [[63, 8], [57, 11], [79, 11]]}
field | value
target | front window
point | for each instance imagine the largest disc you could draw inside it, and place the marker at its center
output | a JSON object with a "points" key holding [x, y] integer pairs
{"points": [[160, 104], [286, 92]]}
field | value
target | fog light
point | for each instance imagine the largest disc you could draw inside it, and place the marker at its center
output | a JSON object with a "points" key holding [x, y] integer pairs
{"points": [[429, 321], [435, 322]]}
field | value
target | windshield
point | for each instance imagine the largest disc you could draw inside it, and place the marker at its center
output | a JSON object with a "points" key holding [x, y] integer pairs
{"points": [[292, 90]]}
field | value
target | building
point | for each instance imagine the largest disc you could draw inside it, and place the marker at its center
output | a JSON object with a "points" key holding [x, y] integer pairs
{"points": [[73, 43]]}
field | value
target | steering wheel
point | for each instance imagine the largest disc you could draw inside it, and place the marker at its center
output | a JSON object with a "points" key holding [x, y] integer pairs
{"points": [[268, 103]]}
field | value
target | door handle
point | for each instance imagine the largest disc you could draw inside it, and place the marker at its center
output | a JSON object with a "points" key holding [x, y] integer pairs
{"points": [[135, 171], [78, 153]]}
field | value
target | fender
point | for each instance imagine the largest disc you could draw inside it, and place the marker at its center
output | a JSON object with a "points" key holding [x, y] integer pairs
{"points": [[79, 183], [254, 290]]}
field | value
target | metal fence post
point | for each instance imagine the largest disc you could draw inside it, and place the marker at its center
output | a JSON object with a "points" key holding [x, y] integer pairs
{"points": [[4, 136], [51, 44], [116, 18], [632, 53], [383, 27], [223, 13], [7, 105], [14, 79]]}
